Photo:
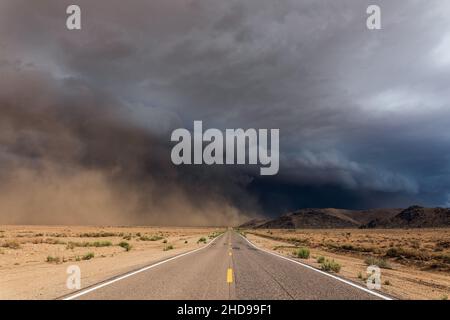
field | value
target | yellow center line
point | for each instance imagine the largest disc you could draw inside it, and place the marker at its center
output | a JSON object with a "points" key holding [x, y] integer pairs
{"points": [[229, 275]]}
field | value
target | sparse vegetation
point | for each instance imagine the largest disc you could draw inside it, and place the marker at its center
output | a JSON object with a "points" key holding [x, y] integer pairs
{"points": [[387, 283], [153, 238], [444, 257], [215, 234], [88, 256], [330, 266], [169, 247], [302, 253], [97, 244], [426, 249], [320, 259], [55, 235], [53, 241], [414, 254], [125, 245], [51, 259], [99, 234], [165, 241], [379, 262], [202, 239], [12, 244]]}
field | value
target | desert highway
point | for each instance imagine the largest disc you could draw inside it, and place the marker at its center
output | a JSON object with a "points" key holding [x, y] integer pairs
{"points": [[229, 267]]}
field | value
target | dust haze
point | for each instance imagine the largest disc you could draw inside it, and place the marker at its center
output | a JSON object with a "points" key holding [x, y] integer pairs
{"points": [[70, 157]]}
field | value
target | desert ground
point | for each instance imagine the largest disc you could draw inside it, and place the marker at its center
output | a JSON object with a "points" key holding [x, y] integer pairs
{"points": [[415, 263], [34, 259]]}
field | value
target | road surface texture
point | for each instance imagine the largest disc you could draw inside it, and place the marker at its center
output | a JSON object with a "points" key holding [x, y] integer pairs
{"points": [[228, 268]]}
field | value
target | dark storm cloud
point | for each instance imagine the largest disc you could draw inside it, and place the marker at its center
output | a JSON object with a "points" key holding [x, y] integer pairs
{"points": [[72, 159], [363, 114]]}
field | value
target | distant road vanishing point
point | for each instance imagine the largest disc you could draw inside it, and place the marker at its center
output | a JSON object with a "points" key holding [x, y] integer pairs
{"points": [[229, 267]]}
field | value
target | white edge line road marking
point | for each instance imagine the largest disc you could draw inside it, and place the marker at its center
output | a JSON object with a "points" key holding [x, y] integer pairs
{"points": [[107, 283], [322, 272]]}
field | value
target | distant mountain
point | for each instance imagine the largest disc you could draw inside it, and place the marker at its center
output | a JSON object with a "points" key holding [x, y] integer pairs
{"points": [[330, 218], [312, 218], [414, 217], [253, 224]]}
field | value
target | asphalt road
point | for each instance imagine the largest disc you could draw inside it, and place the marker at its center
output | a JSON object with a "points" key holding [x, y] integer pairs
{"points": [[228, 268]]}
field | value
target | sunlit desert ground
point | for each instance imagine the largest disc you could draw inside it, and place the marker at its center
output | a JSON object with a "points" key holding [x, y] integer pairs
{"points": [[415, 263], [34, 259]]}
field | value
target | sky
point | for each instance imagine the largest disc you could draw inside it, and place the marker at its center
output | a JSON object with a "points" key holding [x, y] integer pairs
{"points": [[86, 115]]}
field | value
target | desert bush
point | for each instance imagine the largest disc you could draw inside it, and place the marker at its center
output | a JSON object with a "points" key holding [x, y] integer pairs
{"points": [[88, 256], [349, 247], [125, 245], [153, 238], [167, 248], [302, 253], [202, 239], [51, 259], [102, 244], [12, 244], [56, 235], [99, 234], [70, 245], [407, 253], [97, 244], [53, 241], [214, 235], [127, 237], [380, 262], [394, 252], [330, 265], [444, 257], [321, 259]]}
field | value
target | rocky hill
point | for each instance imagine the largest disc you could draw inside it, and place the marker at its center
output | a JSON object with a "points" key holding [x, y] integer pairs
{"points": [[414, 217], [330, 218]]}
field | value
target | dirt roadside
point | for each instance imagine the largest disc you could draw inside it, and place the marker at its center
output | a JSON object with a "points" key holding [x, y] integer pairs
{"points": [[34, 259], [399, 281]]}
